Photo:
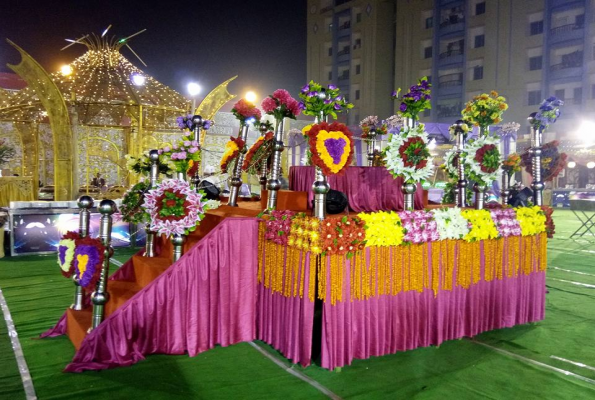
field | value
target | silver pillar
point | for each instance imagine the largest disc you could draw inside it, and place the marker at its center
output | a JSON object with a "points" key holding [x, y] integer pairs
{"points": [[100, 296], [197, 122], [153, 177], [371, 147], [408, 190], [181, 176], [236, 178], [274, 184], [505, 189], [480, 193], [264, 167], [410, 122], [178, 242], [85, 203], [536, 140], [320, 187], [461, 199]]}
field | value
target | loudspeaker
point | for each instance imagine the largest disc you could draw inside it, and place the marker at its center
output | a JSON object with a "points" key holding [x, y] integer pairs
{"points": [[336, 202], [518, 199], [211, 191]]}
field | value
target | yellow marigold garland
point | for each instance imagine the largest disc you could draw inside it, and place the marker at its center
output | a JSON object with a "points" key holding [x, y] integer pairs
{"points": [[382, 228]]}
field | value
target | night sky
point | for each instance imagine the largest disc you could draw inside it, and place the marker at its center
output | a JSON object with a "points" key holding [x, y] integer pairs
{"points": [[264, 42]]}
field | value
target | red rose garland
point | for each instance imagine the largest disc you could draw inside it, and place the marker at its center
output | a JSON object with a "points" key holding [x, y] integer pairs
{"points": [[253, 151], [317, 159]]}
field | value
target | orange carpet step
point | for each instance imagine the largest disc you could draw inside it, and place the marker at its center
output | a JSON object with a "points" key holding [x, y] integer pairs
{"points": [[146, 269], [77, 325], [120, 292]]}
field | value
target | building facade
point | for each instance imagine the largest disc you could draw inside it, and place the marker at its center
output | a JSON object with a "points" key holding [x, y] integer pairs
{"points": [[526, 50]]}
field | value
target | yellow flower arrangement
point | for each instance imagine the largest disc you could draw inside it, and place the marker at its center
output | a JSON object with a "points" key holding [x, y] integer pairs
{"points": [[232, 149], [324, 153], [482, 225], [305, 234], [485, 110], [382, 228], [531, 219]]}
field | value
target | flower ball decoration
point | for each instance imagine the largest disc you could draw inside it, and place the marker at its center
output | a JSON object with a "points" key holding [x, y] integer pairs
{"points": [[88, 261], [331, 146], [174, 207], [66, 248], [408, 155], [483, 159]]}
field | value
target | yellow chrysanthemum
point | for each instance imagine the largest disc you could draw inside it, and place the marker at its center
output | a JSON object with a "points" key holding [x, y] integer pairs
{"points": [[382, 228], [482, 225], [531, 219]]}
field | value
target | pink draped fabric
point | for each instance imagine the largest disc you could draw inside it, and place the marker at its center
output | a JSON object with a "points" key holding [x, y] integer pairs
{"points": [[286, 322], [386, 324], [366, 188], [208, 297]]}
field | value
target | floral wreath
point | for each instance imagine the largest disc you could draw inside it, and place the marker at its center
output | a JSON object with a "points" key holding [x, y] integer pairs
{"points": [[552, 161], [66, 248], [232, 151], [482, 158], [88, 261], [408, 155], [258, 153], [331, 146], [131, 209], [174, 208]]}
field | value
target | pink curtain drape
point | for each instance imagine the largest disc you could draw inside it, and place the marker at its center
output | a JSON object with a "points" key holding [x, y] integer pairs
{"points": [[208, 297], [366, 188]]}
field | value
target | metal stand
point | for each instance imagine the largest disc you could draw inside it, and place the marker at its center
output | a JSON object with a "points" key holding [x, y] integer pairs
{"points": [[274, 184], [178, 241], [371, 147], [197, 123], [320, 185], [462, 181], [408, 190], [85, 203], [505, 190], [480, 192], [236, 179], [536, 139], [100, 296], [264, 167], [153, 177]]}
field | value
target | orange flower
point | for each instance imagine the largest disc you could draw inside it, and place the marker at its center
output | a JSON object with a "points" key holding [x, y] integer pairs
{"points": [[494, 93]]}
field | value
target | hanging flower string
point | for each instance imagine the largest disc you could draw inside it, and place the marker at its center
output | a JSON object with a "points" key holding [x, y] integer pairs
{"points": [[258, 153], [232, 151]]}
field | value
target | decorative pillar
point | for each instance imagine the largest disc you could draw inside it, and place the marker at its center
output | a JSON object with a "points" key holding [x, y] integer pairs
{"points": [[371, 146], [153, 177], [461, 199], [536, 139], [408, 189], [178, 241], [85, 203], [505, 189], [320, 187], [274, 184], [100, 296], [197, 122], [480, 193], [236, 179], [264, 167]]}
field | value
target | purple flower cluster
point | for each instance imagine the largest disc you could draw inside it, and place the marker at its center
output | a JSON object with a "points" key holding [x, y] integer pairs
{"points": [[549, 111], [278, 226], [420, 226], [416, 100], [336, 148], [181, 152], [506, 222], [186, 122]]}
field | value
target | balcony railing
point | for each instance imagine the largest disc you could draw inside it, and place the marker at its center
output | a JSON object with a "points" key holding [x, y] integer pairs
{"points": [[566, 28], [450, 80], [572, 60], [345, 25], [449, 111], [344, 75], [451, 53], [345, 50], [451, 20]]}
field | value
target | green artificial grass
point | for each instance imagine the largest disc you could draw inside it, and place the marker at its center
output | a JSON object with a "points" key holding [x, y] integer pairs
{"points": [[462, 369]]}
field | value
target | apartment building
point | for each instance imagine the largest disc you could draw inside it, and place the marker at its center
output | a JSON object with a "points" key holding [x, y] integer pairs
{"points": [[526, 50]]}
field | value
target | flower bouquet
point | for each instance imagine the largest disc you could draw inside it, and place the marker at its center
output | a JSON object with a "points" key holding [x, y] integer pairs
{"points": [[232, 151], [549, 112], [453, 134], [416, 100], [319, 102], [258, 154], [174, 208], [512, 164], [371, 122], [142, 165], [183, 157], [331, 146], [246, 112], [552, 161], [485, 110], [281, 105], [408, 155]]}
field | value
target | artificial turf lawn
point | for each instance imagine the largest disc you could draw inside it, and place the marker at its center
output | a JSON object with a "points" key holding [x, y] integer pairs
{"points": [[463, 369]]}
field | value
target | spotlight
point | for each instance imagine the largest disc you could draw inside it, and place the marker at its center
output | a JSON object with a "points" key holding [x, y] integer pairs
{"points": [[193, 88], [591, 164], [250, 96], [251, 120], [571, 164], [66, 70], [138, 79]]}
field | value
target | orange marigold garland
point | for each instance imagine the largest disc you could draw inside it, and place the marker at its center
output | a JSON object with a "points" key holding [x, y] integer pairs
{"points": [[258, 153], [343, 236], [331, 146], [232, 150]]}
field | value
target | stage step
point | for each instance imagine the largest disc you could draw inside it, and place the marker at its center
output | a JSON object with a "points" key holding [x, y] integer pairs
{"points": [[146, 269], [120, 292], [77, 325]]}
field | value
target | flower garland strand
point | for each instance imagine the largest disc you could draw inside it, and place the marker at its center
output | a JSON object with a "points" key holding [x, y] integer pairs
{"points": [[232, 151], [258, 153]]}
